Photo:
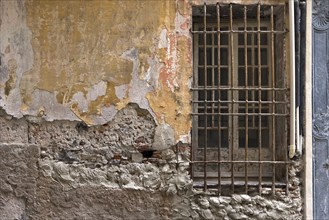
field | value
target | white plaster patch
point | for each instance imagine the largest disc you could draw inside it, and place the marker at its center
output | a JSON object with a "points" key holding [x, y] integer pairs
{"points": [[152, 74], [81, 100], [53, 110], [138, 88], [163, 42], [121, 91], [96, 90], [107, 114], [13, 103]]}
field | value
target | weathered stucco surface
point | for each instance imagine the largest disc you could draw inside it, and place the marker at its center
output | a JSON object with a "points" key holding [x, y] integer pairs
{"points": [[86, 60], [95, 119]]}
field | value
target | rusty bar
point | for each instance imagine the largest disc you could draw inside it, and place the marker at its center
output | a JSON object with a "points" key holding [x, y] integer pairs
{"points": [[244, 102], [243, 88], [205, 86], [273, 103], [285, 97], [243, 114], [253, 76], [213, 66], [237, 31], [232, 85], [195, 118], [259, 98], [219, 103], [246, 97], [248, 162]]}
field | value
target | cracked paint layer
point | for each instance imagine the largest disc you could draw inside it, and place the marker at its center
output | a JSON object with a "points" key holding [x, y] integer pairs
{"points": [[87, 60]]}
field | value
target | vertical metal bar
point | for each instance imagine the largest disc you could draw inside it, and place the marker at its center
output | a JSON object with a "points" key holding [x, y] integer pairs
{"points": [[195, 129], [246, 95], [259, 99], [212, 79], [285, 97], [219, 104], [232, 95], [253, 76], [205, 91], [273, 101]]}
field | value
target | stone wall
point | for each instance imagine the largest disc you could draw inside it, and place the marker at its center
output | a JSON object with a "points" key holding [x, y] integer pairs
{"points": [[67, 170], [95, 119]]}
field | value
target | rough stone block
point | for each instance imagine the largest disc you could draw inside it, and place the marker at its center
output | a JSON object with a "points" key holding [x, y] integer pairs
{"points": [[99, 202], [13, 130], [164, 137], [18, 176], [136, 157]]}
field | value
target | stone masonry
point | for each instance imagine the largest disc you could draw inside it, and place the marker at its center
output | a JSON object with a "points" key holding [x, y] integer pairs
{"points": [[67, 170]]}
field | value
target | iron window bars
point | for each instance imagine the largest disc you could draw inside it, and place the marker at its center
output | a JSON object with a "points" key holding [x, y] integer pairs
{"points": [[240, 97]]}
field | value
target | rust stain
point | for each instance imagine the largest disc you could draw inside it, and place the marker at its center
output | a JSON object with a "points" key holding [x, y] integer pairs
{"points": [[168, 71], [168, 104], [185, 25]]}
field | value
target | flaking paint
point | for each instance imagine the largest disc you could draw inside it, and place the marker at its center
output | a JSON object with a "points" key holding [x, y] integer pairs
{"points": [[77, 45]]}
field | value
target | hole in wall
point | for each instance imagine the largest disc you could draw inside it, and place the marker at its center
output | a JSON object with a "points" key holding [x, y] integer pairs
{"points": [[81, 127], [147, 153]]}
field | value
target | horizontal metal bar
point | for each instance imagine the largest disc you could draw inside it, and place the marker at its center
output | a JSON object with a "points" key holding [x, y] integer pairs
{"points": [[238, 88], [214, 66], [247, 3], [226, 66], [240, 128], [237, 31], [214, 128], [239, 102], [243, 162], [241, 114]]}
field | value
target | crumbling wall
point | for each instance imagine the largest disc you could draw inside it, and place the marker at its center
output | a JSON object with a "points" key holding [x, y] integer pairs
{"points": [[87, 60], [95, 116], [64, 170]]}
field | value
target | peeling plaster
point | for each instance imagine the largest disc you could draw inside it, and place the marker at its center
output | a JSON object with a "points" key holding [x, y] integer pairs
{"points": [[163, 42], [97, 90], [15, 47], [121, 91], [85, 70], [152, 74], [51, 109], [138, 88]]}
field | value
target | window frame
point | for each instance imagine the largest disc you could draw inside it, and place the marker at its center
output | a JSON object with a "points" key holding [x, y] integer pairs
{"points": [[271, 63]]}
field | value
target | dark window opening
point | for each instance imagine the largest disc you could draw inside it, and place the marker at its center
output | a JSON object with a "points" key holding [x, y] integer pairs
{"points": [[240, 97]]}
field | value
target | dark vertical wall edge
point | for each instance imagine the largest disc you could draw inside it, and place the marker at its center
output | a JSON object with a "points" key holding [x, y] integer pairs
{"points": [[302, 7]]}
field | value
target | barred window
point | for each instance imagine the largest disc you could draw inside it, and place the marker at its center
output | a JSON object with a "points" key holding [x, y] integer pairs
{"points": [[240, 97]]}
